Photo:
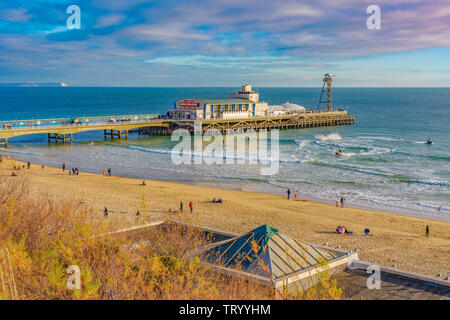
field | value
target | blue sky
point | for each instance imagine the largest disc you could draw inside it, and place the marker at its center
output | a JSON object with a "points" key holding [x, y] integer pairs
{"points": [[225, 43]]}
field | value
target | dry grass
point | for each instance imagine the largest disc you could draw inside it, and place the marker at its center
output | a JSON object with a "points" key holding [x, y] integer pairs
{"points": [[40, 237]]}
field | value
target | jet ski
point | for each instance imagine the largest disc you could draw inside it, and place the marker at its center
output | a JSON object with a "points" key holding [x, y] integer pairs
{"points": [[429, 141]]}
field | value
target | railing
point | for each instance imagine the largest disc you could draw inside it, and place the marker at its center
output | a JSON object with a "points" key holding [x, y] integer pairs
{"points": [[76, 122]]}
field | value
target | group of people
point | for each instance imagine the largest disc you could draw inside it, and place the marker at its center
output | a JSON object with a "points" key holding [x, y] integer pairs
{"points": [[191, 208], [107, 172], [289, 194], [23, 166], [73, 171]]}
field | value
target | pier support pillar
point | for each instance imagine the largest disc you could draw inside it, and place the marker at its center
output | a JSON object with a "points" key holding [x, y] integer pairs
{"points": [[63, 137], [4, 142], [115, 133]]}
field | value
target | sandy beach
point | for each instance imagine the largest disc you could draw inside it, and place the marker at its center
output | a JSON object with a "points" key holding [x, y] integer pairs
{"points": [[396, 239]]}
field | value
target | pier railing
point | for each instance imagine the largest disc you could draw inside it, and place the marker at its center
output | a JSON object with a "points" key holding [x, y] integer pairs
{"points": [[56, 123]]}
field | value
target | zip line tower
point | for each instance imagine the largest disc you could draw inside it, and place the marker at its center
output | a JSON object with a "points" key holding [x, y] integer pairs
{"points": [[327, 81]]}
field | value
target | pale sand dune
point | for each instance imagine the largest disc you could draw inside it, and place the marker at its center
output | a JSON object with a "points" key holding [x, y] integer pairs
{"points": [[396, 239]]}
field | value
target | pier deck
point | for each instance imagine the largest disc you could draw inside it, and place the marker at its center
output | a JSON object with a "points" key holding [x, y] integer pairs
{"points": [[63, 129]]}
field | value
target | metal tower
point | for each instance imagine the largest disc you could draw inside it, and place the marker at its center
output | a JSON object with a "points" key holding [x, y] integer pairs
{"points": [[327, 80]]}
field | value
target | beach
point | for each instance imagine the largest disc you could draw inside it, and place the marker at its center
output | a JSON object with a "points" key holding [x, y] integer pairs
{"points": [[395, 239]]}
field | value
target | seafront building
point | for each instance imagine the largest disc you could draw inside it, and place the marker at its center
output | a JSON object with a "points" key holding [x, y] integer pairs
{"points": [[240, 105]]}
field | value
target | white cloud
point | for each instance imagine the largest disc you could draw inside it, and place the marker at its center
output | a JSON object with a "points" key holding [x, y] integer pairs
{"points": [[15, 15], [109, 20]]}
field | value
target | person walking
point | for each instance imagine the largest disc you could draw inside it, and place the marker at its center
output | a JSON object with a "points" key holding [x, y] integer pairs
{"points": [[288, 194], [28, 164], [342, 202], [181, 206], [64, 167], [191, 206], [427, 231], [106, 212], [109, 172]]}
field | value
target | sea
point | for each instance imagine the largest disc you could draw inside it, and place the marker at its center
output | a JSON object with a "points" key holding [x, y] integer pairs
{"points": [[386, 164]]}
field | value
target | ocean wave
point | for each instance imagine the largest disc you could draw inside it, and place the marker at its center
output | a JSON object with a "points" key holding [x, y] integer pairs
{"points": [[432, 206], [378, 159], [327, 137], [20, 152], [430, 183], [301, 144], [245, 156], [426, 156], [381, 138], [355, 169], [446, 158]]}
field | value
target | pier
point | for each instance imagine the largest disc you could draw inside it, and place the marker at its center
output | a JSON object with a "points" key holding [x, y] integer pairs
{"points": [[63, 129]]}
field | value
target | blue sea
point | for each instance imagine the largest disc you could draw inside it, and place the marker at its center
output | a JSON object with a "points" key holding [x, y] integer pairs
{"points": [[386, 164]]}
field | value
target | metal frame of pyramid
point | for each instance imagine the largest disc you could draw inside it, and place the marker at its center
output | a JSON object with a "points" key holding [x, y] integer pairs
{"points": [[267, 256]]}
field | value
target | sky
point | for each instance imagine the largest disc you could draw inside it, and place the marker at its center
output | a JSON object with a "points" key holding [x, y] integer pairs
{"points": [[206, 43]]}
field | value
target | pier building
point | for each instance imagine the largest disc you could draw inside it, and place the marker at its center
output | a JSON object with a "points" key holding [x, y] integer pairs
{"points": [[243, 104]]}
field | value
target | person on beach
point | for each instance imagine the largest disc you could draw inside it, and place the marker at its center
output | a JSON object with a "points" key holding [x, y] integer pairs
{"points": [[109, 172], [342, 202], [28, 165], [106, 212], [64, 167], [191, 206], [104, 172], [181, 206], [427, 231], [288, 194]]}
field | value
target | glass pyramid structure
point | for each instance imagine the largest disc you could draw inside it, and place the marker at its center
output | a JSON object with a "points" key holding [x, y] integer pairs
{"points": [[268, 253]]}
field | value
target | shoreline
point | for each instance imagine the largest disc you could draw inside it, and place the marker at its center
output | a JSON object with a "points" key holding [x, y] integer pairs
{"points": [[252, 187], [396, 239]]}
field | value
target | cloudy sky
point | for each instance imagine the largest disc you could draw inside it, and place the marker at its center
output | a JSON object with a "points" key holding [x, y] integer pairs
{"points": [[225, 42]]}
